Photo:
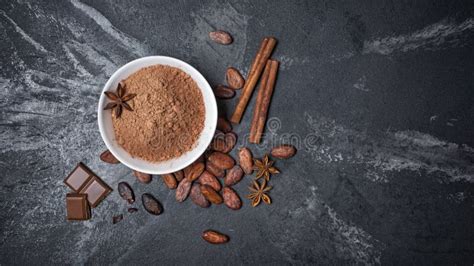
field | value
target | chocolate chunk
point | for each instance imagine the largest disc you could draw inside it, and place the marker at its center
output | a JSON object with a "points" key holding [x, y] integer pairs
{"points": [[78, 177], [77, 207], [96, 190]]}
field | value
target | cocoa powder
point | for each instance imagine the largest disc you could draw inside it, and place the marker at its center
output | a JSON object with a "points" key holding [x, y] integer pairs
{"points": [[168, 114]]}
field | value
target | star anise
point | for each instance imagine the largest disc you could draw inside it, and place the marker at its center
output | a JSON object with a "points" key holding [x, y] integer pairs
{"points": [[258, 193], [119, 100], [265, 168]]}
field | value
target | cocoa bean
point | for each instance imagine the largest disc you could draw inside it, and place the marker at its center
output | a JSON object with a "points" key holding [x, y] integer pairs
{"points": [[214, 170], [207, 153], [151, 205], [231, 199], [233, 176], [142, 177], [170, 181], [224, 92], [223, 125], [283, 151], [230, 140], [193, 171], [108, 157], [132, 210], [183, 190], [201, 159], [215, 237], [234, 78], [220, 37], [179, 175], [218, 143], [210, 194], [117, 218], [246, 160], [126, 192], [207, 178], [221, 160], [219, 134], [197, 197]]}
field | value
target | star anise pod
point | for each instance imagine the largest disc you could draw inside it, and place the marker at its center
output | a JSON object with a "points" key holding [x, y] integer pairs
{"points": [[258, 193], [265, 168], [119, 100]]}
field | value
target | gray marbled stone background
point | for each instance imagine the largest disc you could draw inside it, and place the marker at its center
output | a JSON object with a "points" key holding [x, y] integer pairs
{"points": [[381, 90]]}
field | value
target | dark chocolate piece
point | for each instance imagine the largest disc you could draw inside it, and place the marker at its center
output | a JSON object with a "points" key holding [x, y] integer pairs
{"points": [[96, 190], [78, 177], [77, 207]]}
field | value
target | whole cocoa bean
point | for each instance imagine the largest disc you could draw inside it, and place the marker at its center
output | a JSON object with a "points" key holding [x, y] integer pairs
{"points": [[142, 177], [179, 175], [210, 194], [207, 178], [223, 125], [283, 151], [234, 78], [170, 181], [230, 140], [108, 157], [151, 205], [215, 237], [214, 170], [224, 92], [233, 176], [246, 160], [218, 143], [193, 171], [220, 37], [231, 199], [183, 190], [221, 160], [126, 192], [197, 197]]}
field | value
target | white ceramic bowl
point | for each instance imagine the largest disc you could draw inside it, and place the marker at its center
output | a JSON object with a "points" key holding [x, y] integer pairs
{"points": [[173, 165]]}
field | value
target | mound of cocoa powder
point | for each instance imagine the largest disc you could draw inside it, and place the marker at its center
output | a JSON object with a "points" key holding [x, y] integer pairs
{"points": [[168, 114]]}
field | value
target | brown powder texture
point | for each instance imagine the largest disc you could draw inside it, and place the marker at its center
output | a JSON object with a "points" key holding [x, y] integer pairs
{"points": [[168, 114]]}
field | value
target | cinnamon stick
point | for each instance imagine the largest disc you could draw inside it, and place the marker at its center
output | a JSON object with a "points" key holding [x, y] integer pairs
{"points": [[258, 56], [261, 107], [254, 74], [258, 102]]}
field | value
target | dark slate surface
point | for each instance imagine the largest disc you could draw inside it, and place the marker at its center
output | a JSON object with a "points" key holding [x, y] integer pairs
{"points": [[379, 94]]}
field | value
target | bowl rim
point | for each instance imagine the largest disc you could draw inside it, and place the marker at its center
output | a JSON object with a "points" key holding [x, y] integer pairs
{"points": [[204, 89]]}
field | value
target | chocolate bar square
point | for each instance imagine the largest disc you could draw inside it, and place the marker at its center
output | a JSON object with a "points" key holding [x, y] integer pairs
{"points": [[77, 207], [78, 177], [96, 190]]}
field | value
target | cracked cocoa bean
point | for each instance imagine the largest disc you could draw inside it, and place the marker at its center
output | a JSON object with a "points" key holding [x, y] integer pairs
{"points": [[126, 192]]}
